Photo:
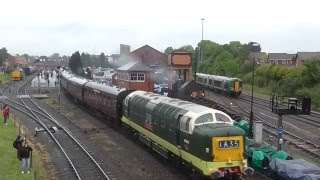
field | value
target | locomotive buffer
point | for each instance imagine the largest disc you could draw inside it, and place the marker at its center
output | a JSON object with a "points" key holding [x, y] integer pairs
{"points": [[292, 108]]}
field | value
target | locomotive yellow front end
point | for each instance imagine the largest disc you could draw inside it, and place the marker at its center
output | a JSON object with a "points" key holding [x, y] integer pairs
{"points": [[229, 156]]}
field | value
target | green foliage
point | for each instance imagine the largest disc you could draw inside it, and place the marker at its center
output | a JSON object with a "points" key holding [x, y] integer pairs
{"points": [[26, 56], [224, 59], [188, 48], [5, 77], [3, 54], [314, 93], [44, 57], [75, 63], [311, 73], [168, 50]]}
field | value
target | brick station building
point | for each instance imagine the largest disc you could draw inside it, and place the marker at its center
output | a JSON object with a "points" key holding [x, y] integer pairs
{"points": [[135, 75]]}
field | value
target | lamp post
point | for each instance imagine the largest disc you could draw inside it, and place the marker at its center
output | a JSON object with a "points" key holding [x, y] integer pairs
{"points": [[202, 19], [200, 52], [255, 47]]}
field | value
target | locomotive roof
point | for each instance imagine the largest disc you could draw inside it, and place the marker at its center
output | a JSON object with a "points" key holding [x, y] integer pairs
{"points": [[216, 77], [156, 99], [105, 88]]}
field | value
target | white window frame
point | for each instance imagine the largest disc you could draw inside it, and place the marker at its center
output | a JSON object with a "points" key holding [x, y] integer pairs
{"points": [[137, 77], [184, 125]]}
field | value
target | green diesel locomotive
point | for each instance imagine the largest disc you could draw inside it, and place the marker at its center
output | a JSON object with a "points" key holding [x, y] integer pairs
{"points": [[201, 137]]}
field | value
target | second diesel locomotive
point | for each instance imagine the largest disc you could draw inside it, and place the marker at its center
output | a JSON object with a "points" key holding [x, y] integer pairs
{"points": [[232, 86], [201, 137]]}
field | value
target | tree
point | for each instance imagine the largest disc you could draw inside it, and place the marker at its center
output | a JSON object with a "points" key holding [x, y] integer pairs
{"points": [[3, 54], [254, 48], [26, 56], [103, 60], [88, 73], [311, 73], [188, 48], [168, 50], [75, 63], [55, 56]]}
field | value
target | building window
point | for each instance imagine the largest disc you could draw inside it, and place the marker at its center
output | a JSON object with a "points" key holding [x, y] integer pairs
{"points": [[134, 77], [137, 77]]}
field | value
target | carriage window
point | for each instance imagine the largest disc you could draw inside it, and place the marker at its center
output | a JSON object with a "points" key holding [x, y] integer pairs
{"points": [[184, 124], [222, 118], [217, 83], [204, 118]]}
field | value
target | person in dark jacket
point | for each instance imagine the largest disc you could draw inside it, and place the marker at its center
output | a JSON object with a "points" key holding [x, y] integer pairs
{"points": [[18, 145], [24, 153]]}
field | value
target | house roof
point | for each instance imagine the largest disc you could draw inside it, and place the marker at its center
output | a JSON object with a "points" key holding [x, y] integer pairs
{"points": [[308, 55], [134, 66], [278, 56], [15, 61], [146, 46], [257, 55]]}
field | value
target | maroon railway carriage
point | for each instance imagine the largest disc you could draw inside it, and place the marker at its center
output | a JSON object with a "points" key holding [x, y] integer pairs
{"points": [[107, 99], [101, 97], [64, 79], [75, 86], [104, 98]]}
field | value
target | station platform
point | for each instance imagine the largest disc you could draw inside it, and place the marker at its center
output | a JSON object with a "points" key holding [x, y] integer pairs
{"points": [[42, 81]]}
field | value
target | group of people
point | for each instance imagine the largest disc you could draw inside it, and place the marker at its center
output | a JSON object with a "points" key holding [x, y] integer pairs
{"points": [[23, 149], [23, 153]]}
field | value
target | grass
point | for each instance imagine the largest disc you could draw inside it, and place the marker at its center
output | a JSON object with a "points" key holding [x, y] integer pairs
{"points": [[10, 166], [4, 77], [262, 92], [53, 102]]}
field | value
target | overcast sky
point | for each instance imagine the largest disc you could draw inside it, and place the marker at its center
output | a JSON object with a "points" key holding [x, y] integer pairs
{"points": [[42, 27]]}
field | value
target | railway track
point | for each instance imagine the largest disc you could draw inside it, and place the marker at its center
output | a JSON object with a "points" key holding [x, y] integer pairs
{"points": [[290, 138], [83, 165], [312, 119]]}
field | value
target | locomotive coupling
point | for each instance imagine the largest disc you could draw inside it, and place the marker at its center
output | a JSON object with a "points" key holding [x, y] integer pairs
{"points": [[216, 174], [248, 171]]}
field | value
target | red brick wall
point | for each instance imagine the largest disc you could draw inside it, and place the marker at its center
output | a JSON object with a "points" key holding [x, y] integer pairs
{"points": [[143, 86], [149, 55]]}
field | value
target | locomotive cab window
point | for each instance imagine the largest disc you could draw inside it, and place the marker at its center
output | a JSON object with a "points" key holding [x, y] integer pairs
{"points": [[222, 118], [204, 119]]}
